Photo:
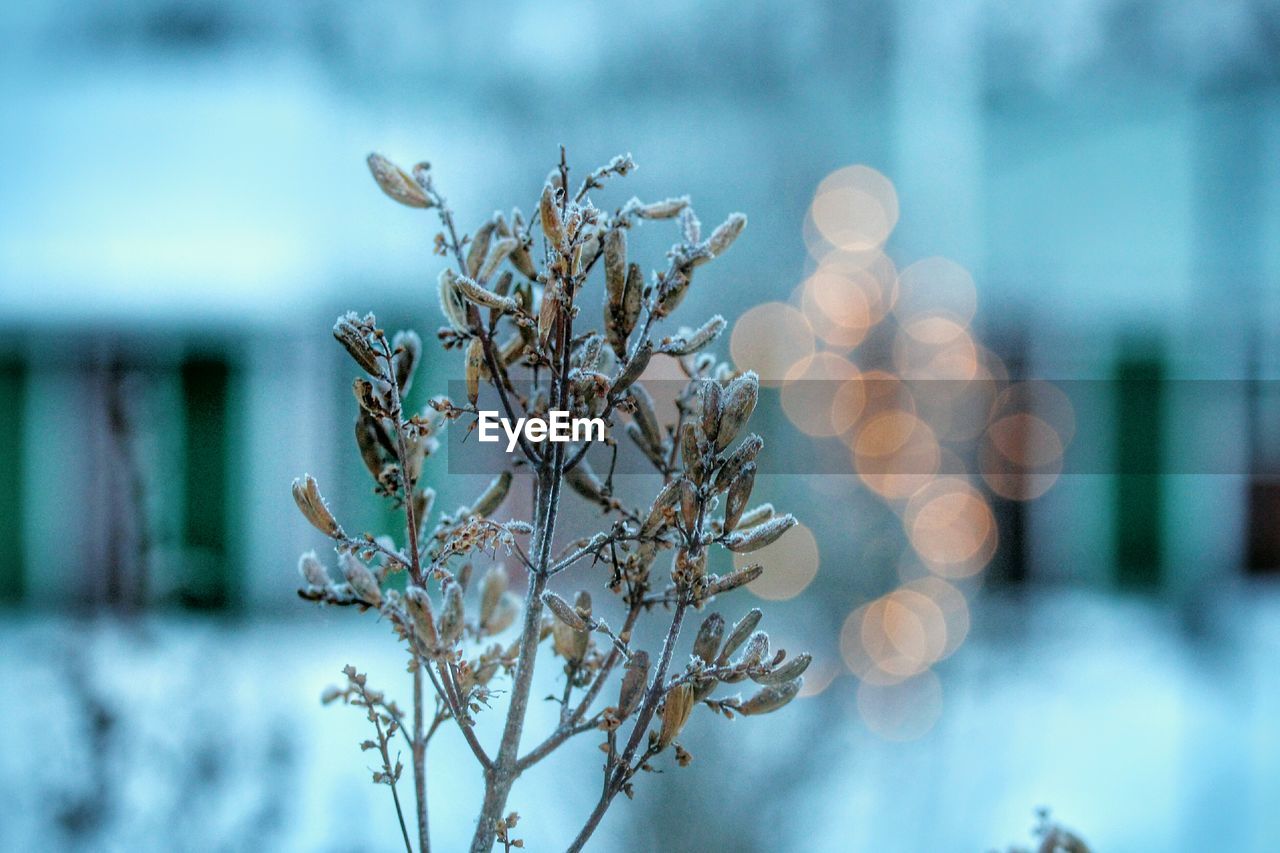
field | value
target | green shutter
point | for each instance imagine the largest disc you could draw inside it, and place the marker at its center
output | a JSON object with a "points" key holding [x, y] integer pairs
{"points": [[12, 397], [207, 570], [1139, 487]]}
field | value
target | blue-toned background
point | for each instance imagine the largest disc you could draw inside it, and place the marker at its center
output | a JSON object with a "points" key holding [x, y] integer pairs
{"points": [[184, 208]]}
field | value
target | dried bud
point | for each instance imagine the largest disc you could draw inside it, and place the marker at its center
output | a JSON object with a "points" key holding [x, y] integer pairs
{"points": [[691, 452], [756, 650], [396, 182], [739, 402], [770, 698], [789, 671], [348, 332], [646, 416], [634, 682], [739, 494], [689, 506], [549, 211], [306, 494], [479, 296], [479, 248], [666, 209], [584, 481], [367, 398], [418, 604], [564, 612], [710, 633], [615, 273], [745, 452], [634, 367], [709, 397], [451, 301], [367, 442], [688, 568], [503, 616], [662, 503], [675, 713], [733, 580], [475, 368], [759, 536], [689, 341], [313, 571], [452, 615], [493, 495], [407, 349], [492, 586], [549, 310], [362, 581], [722, 238], [690, 225], [739, 635]]}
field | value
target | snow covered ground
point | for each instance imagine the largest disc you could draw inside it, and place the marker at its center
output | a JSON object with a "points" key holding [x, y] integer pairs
{"points": [[1142, 730]]}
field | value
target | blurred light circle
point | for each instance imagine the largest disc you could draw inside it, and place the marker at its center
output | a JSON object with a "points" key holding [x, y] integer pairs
{"points": [[954, 607], [847, 404], [936, 288], [820, 675], [838, 309], [1025, 440], [855, 208], [770, 339], [895, 453], [790, 564], [1044, 400], [903, 711], [809, 393], [1012, 481], [948, 523]]}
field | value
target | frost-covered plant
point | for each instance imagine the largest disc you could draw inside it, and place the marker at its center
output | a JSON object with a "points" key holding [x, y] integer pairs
{"points": [[513, 305]]}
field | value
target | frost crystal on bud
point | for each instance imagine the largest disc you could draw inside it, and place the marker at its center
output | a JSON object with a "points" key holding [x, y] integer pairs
{"points": [[710, 633], [313, 571], [492, 586], [634, 681], [493, 496], [738, 403], [452, 616], [733, 580], [722, 238], [564, 611], [759, 536], [306, 494], [739, 635], [424, 624], [675, 713], [770, 698], [451, 301], [789, 671], [349, 332], [362, 581]]}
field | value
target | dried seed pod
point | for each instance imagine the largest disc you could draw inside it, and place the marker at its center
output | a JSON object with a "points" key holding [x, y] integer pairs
{"points": [[634, 367], [452, 615], [646, 415], [502, 286], [672, 292], [367, 441], [745, 452], [634, 681], [423, 499], [770, 698], [788, 671], [549, 212], [348, 332], [418, 603], [463, 578], [739, 402], [511, 350], [306, 494], [675, 713], [362, 581], [479, 296], [407, 349], [756, 515], [503, 616], [584, 481], [632, 300], [368, 400], [479, 248], [520, 257], [755, 651], [615, 273], [688, 505], [549, 311], [452, 304], [396, 182], [710, 633], [722, 238], [664, 501], [689, 341], [313, 571], [665, 209], [739, 635], [691, 455], [709, 398], [733, 580], [739, 494], [493, 495], [475, 368], [690, 226], [564, 612], [752, 539], [492, 586]]}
